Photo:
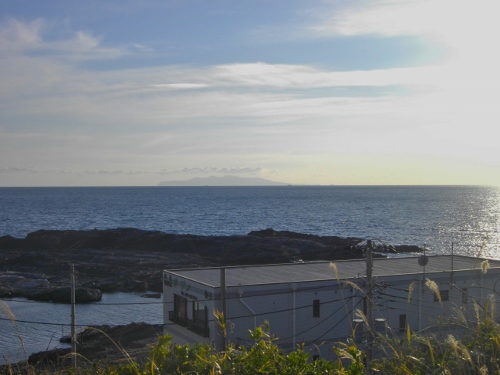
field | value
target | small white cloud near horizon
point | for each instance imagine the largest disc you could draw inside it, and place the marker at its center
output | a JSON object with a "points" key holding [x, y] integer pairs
{"points": [[180, 86]]}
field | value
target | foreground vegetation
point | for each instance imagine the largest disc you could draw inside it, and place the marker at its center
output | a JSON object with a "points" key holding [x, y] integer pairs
{"points": [[477, 352]]}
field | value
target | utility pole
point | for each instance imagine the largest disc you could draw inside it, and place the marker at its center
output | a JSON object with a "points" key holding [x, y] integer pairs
{"points": [[369, 309], [422, 261], [452, 254], [223, 304], [73, 333]]}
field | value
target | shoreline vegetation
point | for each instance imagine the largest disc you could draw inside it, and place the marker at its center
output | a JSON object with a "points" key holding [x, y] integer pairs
{"points": [[132, 260], [475, 352]]}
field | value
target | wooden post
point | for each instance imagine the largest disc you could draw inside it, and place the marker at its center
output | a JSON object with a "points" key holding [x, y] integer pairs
{"points": [[223, 303], [369, 310], [73, 332]]}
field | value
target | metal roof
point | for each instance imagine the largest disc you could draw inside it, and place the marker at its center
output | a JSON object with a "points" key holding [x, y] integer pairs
{"points": [[318, 271]]}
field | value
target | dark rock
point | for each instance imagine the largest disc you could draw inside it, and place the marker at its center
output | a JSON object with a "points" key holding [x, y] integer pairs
{"points": [[104, 286], [5, 292], [48, 357], [132, 260], [408, 249], [104, 343], [156, 284], [10, 242], [151, 295], [63, 295], [136, 286], [65, 339]]}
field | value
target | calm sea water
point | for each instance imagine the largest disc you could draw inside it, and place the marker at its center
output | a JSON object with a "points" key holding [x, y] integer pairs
{"points": [[468, 216], [21, 338]]}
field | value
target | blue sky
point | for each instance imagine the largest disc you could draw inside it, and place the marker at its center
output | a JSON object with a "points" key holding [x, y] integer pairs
{"points": [[316, 92]]}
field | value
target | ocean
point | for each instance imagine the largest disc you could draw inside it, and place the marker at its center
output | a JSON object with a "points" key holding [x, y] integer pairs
{"points": [[466, 216]]}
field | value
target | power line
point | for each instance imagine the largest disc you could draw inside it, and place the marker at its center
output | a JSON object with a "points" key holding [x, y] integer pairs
{"points": [[336, 325], [325, 319], [289, 291], [229, 318]]}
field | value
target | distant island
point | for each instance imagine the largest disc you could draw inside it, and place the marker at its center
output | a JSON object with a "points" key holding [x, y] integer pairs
{"points": [[223, 181]]}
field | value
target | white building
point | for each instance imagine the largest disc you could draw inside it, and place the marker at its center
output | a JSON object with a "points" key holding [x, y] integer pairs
{"points": [[314, 304]]}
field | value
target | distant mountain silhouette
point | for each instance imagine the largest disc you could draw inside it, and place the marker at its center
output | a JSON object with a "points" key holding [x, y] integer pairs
{"points": [[223, 181]]}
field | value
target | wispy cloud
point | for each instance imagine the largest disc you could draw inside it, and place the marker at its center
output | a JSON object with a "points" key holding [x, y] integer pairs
{"points": [[18, 170], [179, 86], [73, 103], [303, 76], [18, 37], [31, 170], [48, 88], [381, 17]]}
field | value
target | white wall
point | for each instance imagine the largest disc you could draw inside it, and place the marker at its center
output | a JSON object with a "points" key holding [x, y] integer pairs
{"points": [[250, 306]]}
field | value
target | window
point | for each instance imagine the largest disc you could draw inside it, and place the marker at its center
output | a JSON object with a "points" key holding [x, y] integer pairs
{"points": [[199, 324], [402, 323], [200, 314], [180, 308], [445, 296], [465, 296], [316, 308]]}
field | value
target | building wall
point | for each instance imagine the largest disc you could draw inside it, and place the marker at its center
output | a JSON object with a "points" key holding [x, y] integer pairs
{"points": [[251, 306], [422, 309], [193, 292]]}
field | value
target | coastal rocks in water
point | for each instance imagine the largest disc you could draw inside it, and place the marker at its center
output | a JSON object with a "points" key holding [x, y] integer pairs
{"points": [[100, 344], [104, 286], [5, 292], [151, 295], [30, 284], [408, 249], [52, 357], [14, 284], [136, 286], [132, 260], [63, 295]]}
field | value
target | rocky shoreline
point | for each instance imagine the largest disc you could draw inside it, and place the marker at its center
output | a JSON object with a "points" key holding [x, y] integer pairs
{"points": [[105, 344], [132, 260]]}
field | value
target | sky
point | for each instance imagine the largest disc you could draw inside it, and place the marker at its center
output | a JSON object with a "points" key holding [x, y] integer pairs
{"points": [[119, 92]]}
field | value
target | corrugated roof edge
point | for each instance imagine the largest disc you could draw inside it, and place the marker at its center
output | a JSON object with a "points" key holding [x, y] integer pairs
{"points": [[331, 261]]}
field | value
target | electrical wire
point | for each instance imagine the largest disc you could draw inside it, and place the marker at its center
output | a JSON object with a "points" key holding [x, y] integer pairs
{"points": [[324, 319], [336, 325], [279, 292], [229, 318]]}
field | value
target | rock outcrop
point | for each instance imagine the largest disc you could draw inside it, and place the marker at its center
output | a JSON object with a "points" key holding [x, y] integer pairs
{"points": [[107, 344], [63, 295], [132, 260]]}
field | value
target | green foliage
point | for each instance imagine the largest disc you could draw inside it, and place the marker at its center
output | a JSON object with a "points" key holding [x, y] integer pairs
{"points": [[477, 352], [263, 357]]}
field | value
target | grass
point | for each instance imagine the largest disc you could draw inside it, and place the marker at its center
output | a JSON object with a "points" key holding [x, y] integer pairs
{"points": [[477, 352], [6, 312]]}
